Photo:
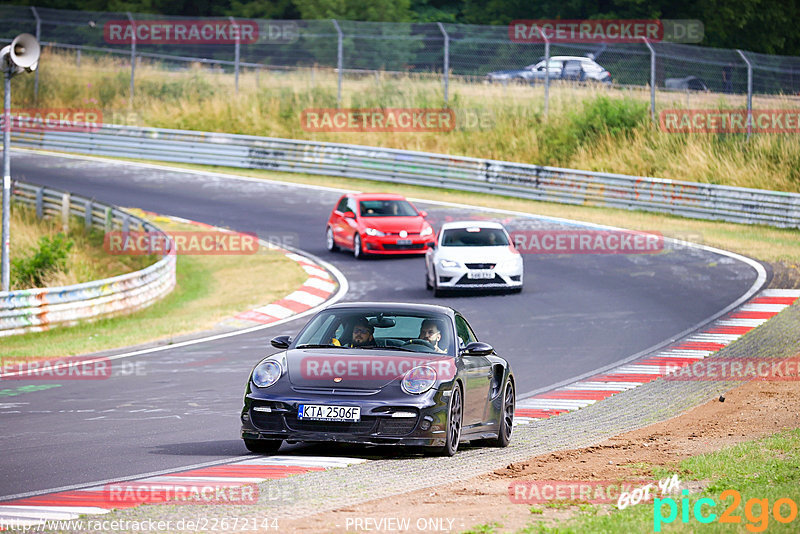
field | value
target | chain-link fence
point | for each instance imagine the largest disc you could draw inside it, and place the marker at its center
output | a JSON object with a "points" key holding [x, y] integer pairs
{"points": [[468, 52]]}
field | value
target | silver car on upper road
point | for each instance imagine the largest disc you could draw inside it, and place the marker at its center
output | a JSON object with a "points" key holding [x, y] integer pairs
{"points": [[473, 255]]}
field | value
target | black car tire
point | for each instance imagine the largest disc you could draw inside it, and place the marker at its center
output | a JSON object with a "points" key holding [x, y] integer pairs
{"points": [[506, 417], [455, 414], [428, 285], [330, 243], [263, 446], [358, 252]]}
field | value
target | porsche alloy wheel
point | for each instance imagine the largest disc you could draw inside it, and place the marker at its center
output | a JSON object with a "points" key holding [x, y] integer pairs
{"points": [[454, 417], [506, 417]]}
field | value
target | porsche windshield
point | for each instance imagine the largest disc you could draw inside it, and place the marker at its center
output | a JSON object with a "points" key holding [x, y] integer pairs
{"points": [[474, 237], [381, 329], [387, 208]]}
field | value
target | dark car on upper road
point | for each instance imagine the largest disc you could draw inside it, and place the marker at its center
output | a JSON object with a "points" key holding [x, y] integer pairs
{"points": [[378, 223], [380, 374]]}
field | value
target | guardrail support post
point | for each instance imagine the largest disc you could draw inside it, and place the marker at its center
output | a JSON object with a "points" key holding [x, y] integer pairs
{"points": [[652, 79], [339, 62], [109, 223], [235, 27], [38, 40], [749, 94], [446, 59], [40, 203], [133, 54], [65, 201], [87, 216], [126, 224]]}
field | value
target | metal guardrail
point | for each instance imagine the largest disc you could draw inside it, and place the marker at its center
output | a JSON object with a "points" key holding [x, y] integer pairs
{"points": [[551, 184], [33, 310]]}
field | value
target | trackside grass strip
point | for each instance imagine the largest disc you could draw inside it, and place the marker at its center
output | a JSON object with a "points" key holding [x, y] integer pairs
{"points": [[591, 127]]}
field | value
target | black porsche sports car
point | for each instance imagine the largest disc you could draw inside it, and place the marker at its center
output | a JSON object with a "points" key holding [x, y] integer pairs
{"points": [[380, 373]]}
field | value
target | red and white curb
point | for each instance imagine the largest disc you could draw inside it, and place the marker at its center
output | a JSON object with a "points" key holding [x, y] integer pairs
{"points": [[66, 505], [720, 333], [318, 287], [315, 290]]}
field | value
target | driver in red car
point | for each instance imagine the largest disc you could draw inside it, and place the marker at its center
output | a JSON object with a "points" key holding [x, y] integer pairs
{"points": [[430, 332]]}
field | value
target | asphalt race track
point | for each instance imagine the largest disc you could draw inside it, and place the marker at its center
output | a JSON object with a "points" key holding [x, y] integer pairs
{"points": [[576, 314]]}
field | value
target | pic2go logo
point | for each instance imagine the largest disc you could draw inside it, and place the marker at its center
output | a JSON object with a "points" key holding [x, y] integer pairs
{"points": [[758, 521]]}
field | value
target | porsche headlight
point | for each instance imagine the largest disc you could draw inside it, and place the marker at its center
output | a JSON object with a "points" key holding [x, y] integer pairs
{"points": [[448, 264], [426, 231], [267, 373], [418, 380], [373, 232]]}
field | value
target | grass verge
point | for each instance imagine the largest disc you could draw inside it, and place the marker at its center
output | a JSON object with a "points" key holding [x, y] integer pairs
{"points": [[591, 127], [209, 289], [744, 483]]}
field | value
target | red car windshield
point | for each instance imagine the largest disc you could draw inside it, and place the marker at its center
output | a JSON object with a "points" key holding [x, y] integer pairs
{"points": [[387, 208]]}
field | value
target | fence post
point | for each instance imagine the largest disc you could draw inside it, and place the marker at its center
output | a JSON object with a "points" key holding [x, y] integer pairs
{"points": [[652, 79], [77, 59], [446, 60], [546, 74], [38, 40], [133, 53], [235, 27], [339, 63], [749, 94]]}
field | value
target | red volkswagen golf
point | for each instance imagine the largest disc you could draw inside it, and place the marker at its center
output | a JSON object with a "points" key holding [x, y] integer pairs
{"points": [[378, 223]]}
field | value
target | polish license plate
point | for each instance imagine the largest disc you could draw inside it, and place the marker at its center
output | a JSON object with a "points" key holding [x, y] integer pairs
{"points": [[317, 412], [480, 275], [403, 241]]}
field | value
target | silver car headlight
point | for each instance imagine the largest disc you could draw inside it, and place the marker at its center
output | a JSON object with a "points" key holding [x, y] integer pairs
{"points": [[373, 232], [267, 373], [418, 380], [426, 231], [448, 264]]}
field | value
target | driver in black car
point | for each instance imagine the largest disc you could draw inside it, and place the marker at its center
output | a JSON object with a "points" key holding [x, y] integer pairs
{"points": [[430, 332], [363, 334]]}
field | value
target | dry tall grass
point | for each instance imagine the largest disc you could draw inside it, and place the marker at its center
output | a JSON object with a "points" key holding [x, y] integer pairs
{"points": [[86, 260], [507, 122]]}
